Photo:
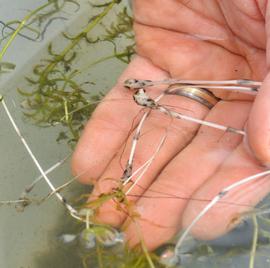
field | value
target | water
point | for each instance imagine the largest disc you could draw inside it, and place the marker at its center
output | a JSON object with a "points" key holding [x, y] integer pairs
{"points": [[29, 239], [33, 238]]}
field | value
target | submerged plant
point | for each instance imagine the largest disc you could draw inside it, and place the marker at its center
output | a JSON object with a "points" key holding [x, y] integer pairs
{"points": [[56, 94], [125, 259], [39, 15]]}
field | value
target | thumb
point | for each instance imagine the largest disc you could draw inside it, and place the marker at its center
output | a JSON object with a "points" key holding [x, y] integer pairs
{"points": [[258, 127]]}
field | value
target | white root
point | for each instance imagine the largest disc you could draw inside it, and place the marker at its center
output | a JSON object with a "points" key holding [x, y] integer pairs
{"points": [[214, 201], [73, 212], [143, 99], [30, 187], [238, 85], [129, 166], [146, 165]]}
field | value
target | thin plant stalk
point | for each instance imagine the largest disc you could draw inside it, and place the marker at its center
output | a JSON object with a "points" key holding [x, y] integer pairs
{"points": [[242, 89], [10, 202], [214, 201], [144, 248], [30, 187], [20, 27], [129, 165], [92, 64], [128, 170], [149, 162], [254, 242], [73, 212], [144, 100], [250, 85], [142, 167], [78, 38], [60, 188]]}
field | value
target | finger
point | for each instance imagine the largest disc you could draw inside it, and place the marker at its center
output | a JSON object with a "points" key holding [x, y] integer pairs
{"points": [[110, 124], [187, 57], [259, 119], [258, 124], [246, 19], [178, 134], [225, 215], [161, 217], [211, 51], [202, 20]]}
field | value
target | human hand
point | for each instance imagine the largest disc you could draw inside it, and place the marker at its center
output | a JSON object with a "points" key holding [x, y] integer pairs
{"points": [[205, 40]]}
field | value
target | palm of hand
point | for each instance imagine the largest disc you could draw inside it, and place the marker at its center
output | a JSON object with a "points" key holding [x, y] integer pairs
{"points": [[205, 40]]}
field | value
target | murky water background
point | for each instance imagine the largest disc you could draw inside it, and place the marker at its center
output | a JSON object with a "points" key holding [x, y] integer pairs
{"points": [[31, 239]]}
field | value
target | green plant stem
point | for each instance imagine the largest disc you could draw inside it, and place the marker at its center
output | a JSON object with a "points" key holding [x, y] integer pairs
{"points": [[254, 242], [99, 255], [79, 109], [73, 132], [78, 38], [144, 248], [104, 59], [19, 28], [146, 253]]}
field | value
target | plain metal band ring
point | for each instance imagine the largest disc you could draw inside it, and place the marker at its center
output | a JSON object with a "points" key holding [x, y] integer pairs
{"points": [[200, 95]]}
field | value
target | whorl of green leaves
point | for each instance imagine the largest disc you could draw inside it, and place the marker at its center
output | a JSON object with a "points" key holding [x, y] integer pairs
{"points": [[54, 95]]}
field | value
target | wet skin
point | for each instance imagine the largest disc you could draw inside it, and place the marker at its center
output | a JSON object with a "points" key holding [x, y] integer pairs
{"points": [[210, 40]]}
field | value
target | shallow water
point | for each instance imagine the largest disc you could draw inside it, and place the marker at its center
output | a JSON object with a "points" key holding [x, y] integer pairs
{"points": [[26, 238], [32, 238]]}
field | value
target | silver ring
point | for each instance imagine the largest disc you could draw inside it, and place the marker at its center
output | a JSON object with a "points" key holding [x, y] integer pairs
{"points": [[201, 95]]}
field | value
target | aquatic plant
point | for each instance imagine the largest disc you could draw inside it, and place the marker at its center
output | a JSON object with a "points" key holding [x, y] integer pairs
{"points": [[57, 96], [39, 15]]}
